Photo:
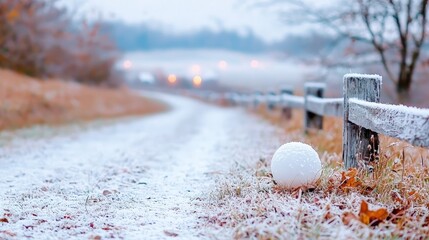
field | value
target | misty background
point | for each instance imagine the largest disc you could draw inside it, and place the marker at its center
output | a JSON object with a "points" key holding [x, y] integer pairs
{"points": [[244, 45]]}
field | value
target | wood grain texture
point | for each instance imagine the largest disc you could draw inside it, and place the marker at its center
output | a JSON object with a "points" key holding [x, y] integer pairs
{"points": [[359, 144], [405, 123]]}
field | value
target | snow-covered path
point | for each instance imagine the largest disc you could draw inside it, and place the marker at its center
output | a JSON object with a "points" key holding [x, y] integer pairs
{"points": [[135, 180]]}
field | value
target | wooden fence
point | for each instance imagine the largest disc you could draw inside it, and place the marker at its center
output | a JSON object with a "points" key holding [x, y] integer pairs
{"points": [[364, 117]]}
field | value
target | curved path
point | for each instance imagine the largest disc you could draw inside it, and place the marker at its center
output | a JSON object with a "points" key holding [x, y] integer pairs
{"points": [[135, 179]]}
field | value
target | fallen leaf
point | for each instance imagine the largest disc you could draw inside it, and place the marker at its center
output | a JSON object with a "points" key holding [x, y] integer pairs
{"points": [[348, 217], [4, 220], [107, 193], [12, 15], [370, 217], [97, 237], [170, 234], [349, 180], [328, 216], [9, 233]]}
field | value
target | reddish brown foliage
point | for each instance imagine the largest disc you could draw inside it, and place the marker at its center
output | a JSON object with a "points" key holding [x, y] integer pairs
{"points": [[39, 39], [366, 216]]}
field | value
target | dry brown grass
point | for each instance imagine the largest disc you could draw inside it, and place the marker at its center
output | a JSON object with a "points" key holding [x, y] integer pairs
{"points": [[26, 101], [248, 203], [401, 165]]}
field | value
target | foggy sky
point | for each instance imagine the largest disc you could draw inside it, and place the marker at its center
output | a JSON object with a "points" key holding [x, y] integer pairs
{"points": [[186, 15]]}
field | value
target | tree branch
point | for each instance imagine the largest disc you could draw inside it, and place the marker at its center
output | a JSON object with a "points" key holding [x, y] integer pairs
{"points": [[377, 46]]}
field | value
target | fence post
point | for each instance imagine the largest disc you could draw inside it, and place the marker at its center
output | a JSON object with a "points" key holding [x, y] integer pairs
{"points": [[312, 120], [236, 98], [359, 144], [286, 110], [242, 99], [247, 100], [270, 100], [256, 99]]}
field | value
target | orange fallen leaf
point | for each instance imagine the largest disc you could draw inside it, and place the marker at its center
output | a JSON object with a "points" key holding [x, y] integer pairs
{"points": [[349, 180], [328, 216], [12, 15], [370, 217], [348, 217], [4, 220]]}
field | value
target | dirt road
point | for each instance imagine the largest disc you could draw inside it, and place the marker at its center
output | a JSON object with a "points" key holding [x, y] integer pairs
{"points": [[136, 179]]}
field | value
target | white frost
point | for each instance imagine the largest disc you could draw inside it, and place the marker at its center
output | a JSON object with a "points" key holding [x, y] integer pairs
{"points": [[315, 85], [129, 180], [363, 76], [389, 107]]}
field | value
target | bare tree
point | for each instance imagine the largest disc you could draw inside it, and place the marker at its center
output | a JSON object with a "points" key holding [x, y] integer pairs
{"points": [[395, 29]]}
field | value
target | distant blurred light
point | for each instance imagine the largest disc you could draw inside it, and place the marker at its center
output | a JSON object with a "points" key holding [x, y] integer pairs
{"points": [[196, 69], [254, 63], [127, 64], [223, 65], [172, 79], [197, 81]]}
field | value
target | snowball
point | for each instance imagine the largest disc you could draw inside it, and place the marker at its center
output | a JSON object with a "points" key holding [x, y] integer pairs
{"points": [[295, 164]]}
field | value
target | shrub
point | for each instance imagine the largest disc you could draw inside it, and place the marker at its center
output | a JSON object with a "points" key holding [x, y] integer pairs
{"points": [[38, 38]]}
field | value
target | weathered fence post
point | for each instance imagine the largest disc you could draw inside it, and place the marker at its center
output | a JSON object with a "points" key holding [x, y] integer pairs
{"points": [[286, 110], [359, 143], [236, 98], [270, 100], [256, 99], [247, 100], [312, 120], [242, 99]]}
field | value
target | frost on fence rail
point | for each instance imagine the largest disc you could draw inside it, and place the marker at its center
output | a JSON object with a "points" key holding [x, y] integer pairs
{"points": [[325, 106], [292, 101], [273, 98], [406, 123], [363, 77]]}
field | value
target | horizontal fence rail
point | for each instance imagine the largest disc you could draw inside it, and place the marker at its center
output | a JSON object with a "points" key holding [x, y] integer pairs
{"points": [[405, 123], [325, 106], [292, 101], [364, 117]]}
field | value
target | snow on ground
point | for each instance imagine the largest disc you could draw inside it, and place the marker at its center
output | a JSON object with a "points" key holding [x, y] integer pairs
{"points": [[140, 178]]}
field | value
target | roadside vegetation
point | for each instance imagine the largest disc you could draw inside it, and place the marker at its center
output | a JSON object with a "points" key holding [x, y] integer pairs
{"points": [[25, 101], [40, 39], [389, 202], [54, 69]]}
